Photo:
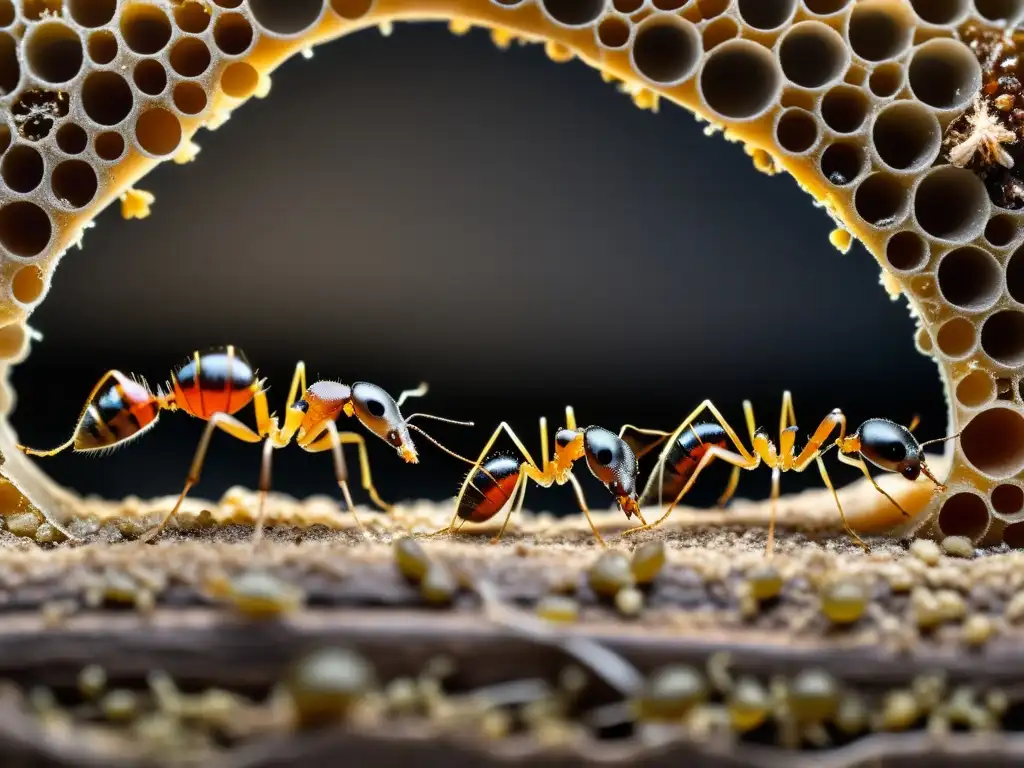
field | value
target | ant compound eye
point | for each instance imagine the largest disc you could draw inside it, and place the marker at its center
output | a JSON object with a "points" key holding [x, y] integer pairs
{"points": [[300, 405], [605, 456], [376, 408]]}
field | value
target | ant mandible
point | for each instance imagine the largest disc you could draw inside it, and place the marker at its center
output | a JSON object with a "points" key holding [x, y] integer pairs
{"points": [[494, 482], [885, 444], [216, 384]]}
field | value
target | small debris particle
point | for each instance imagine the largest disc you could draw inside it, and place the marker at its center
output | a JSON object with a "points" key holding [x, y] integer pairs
{"points": [[610, 573], [814, 696], [558, 608], [671, 692], [459, 26], [841, 240], [438, 586], [952, 605], [899, 711], [1015, 608], [978, 629], [120, 705], [24, 524], [92, 681], [557, 52], [927, 551], [958, 546], [925, 606], [411, 559], [47, 534], [136, 204], [402, 695], [629, 601], [496, 724], [852, 716], [844, 602], [765, 582], [326, 683], [648, 560], [258, 594], [748, 705]]}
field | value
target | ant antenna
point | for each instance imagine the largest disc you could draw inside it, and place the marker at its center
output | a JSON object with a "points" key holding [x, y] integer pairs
{"points": [[446, 450], [439, 418], [941, 439], [914, 422], [927, 473], [420, 391]]}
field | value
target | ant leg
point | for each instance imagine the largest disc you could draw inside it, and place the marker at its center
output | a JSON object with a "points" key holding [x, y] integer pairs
{"points": [[582, 501], [223, 422], [730, 488], [714, 452], [544, 444], [770, 543], [859, 464], [835, 420], [420, 391], [264, 488], [518, 496], [570, 418], [659, 433], [327, 442], [332, 441], [828, 483]]}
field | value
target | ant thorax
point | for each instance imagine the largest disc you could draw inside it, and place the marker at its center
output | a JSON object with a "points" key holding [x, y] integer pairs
{"points": [[568, 449]]}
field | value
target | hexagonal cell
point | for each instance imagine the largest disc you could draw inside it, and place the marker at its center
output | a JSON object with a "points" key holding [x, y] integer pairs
{"points": [[145, 28], [189, 98], [1002, 337], [72, 139], [12, 341], [75, 182], [1015, 276], [109, 146], [352, 9], [812, 55], [906, 136], [951, 204], [91, 13], [964, 514], [102, 46], [190, 57], [886, 80], [666, 49], [150, 77], [233, 34], [944, 74], [880, 200], [106, 97], [192, 16], [28, 285], [844, 108], [25, 228], [1007, 499], [993, 442], [613, 31], [5, 137], [227, 3], [573, 13], [286, 19], [1000, 10], [906, 251], [766, 14], [8, 15], [53, 51], [1001, 230], [668, 5], [739, 80], [941, 12], [239, 80], [718, 31], [841, 163], [158, 131], [956, 338], [976, 389], [10, 67], [877, 30], [796, 131], [709, 9], [970, 278], [22, 168]]}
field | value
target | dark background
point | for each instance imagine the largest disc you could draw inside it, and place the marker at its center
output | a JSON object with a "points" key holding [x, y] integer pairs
{"points": [[514, 231]]}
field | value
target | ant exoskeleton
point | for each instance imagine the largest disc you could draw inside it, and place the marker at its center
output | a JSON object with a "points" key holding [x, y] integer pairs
{"points": [[495, 482], [885, 444], [216, 384]]}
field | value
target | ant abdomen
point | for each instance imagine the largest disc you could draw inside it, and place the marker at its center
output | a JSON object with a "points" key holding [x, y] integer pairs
{"points": [[118, 410], [217, 381], [489, 489]]}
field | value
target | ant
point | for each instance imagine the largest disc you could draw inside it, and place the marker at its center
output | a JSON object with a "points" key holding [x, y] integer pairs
{"points": [[885, 444], [216, 384], [493, 483]]}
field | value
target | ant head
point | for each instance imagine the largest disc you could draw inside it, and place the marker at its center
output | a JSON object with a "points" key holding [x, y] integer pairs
{"points": [[613, 463], [378, 412], [891, 447]]}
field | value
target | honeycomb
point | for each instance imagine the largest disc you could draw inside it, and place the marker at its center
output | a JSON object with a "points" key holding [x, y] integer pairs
{"points": [[899, 117]]}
